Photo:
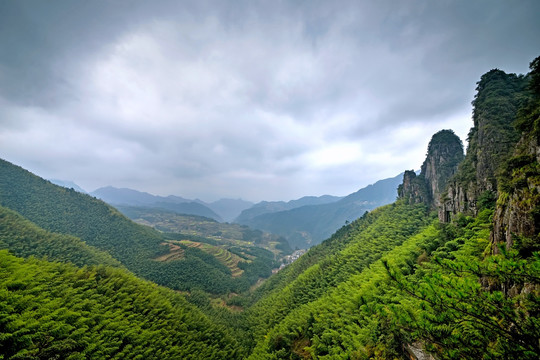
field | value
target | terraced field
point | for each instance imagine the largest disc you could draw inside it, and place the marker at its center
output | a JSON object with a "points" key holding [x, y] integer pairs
{"points": [[223, 233], [250, 255], [175, 253], [222, 255]]}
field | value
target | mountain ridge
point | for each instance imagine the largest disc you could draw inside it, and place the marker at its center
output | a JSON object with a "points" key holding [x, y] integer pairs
{"points": [[126, 196], [462, 286], [308, 225]]}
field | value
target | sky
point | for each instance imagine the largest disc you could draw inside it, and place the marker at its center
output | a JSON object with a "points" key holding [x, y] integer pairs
{"points": [[259, 100]]}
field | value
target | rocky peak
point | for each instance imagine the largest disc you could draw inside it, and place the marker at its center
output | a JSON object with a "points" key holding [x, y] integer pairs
{"points": [[491, 140], [445, 152], [413, 189]]}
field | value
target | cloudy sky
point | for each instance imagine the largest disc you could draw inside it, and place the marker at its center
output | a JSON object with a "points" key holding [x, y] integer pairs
{"points": [[268, 100]]}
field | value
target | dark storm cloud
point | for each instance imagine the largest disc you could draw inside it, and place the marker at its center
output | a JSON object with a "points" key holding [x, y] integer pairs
{"points": [[260, 99]]}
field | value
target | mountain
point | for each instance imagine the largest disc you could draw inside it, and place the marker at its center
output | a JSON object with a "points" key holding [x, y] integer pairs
{"points": [[163, 258], [445, 153], [265, 207], [229, 209], [305, 226], [63, 298], [451, 270], [52, 310], [124, 196], [68, 184], [24, 239]]}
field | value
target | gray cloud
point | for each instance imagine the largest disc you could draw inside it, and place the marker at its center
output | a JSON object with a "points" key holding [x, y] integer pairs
{"points": [[263, 100]]}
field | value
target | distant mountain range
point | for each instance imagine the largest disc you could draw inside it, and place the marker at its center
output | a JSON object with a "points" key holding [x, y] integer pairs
{"points": [[228, 209], [124, 196], [265, 207], [221, 210], [304, 222], [308, 221]]}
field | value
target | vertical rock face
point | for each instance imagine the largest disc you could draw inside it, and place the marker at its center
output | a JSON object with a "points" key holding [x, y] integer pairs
{"points": [[494, 111], [491, 140], [516, 222], [414, 189], [445, 152], [517, 216]]}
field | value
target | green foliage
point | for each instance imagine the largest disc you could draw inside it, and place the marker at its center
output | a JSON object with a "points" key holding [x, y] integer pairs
{"points": [[497, 101], [486, 200], [435, 289], [72, 214], [52, 310], [25, 239], [334, 262], [463, 306], [348, 321]]}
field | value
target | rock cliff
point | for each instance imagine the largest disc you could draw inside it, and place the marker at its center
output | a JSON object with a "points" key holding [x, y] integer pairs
{"points": [[491, 140], [516, 222], [414, 188], [445, 152], [501, 169]]}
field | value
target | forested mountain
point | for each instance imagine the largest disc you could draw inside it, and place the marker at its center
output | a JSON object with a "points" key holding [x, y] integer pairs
{"points": [[58, 311], [265, 207], [150, 254], [451, 269], [24, 239], [115, 196], [402, 282], [305, 226]]}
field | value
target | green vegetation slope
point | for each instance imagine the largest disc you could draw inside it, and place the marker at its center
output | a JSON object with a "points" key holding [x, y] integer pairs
{"points": [[65, 211], [465, 288], [57, 311], [308, 225]]}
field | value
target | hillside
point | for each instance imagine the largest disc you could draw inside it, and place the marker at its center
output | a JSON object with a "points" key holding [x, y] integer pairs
{"points": [[466, 285], [58, 311], [245, 252], [265, 207], [207, 230], [24, 239], [139, 248], [305, 226]]}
